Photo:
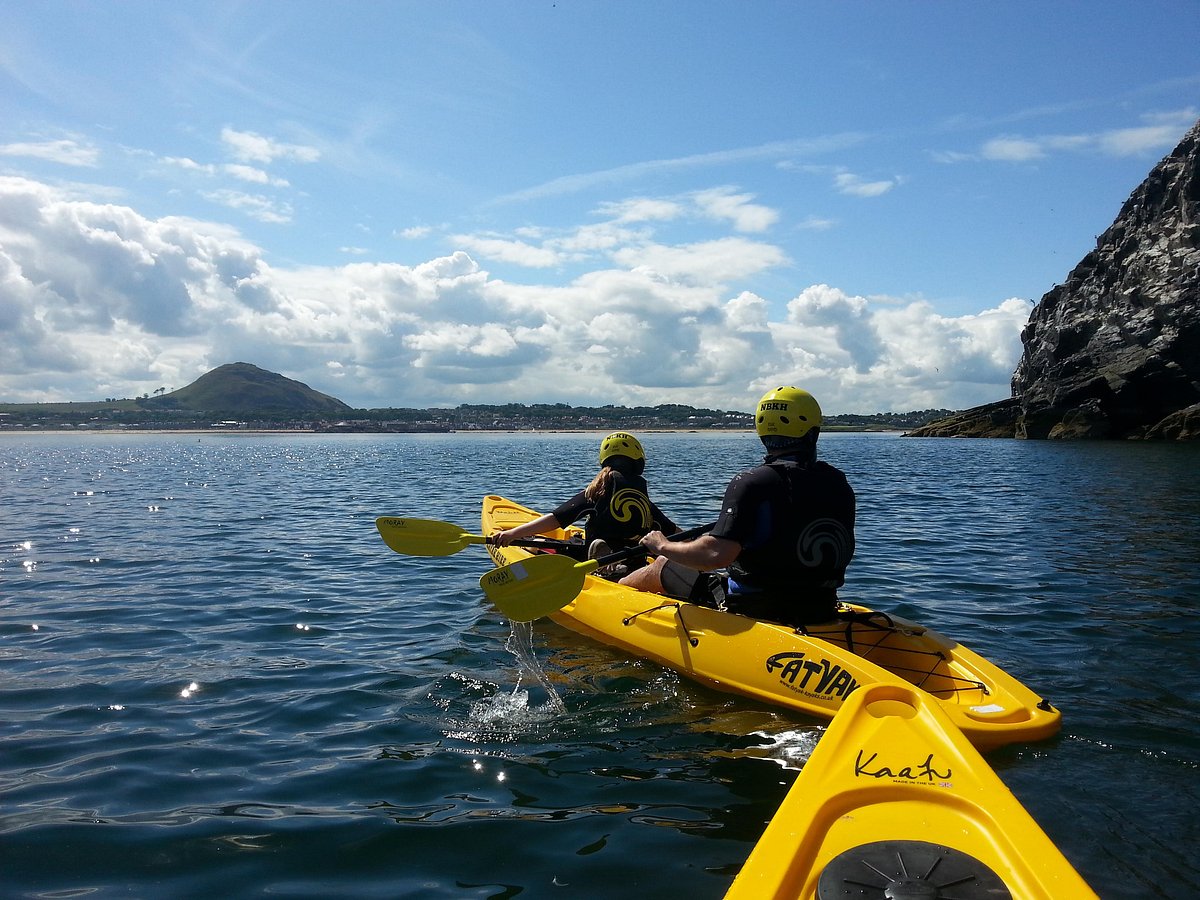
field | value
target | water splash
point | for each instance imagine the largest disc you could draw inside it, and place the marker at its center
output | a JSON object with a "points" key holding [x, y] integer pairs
{"points": [[507, 716], [520, 645]]}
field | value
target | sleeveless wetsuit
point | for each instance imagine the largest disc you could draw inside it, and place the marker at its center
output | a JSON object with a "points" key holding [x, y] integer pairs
{"points": [[795, 524]]}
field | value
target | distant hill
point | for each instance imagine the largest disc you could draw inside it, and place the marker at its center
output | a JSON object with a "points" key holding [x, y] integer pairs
{"points": [[241, 389], [244, 395]]}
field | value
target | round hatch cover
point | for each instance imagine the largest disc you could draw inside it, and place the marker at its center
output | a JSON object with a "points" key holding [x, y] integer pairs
{"points": [[908, 870]]}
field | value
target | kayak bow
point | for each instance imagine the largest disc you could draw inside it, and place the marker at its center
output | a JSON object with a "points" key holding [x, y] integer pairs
{"points": [[894, 802]]}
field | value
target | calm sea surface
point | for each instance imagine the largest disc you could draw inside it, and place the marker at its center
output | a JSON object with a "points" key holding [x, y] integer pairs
{"points": [[216, 680]]}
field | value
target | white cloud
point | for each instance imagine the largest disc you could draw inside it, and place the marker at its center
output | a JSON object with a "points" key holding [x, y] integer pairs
{"points": [[642, 209], [719, 261], [726, 204], [254, 175], [855, 186], [414, 233], [251, 174], [590, 239], [1161, 132], [66, 152], [97, 300], [458, 347], [247, 146], [816, 223], [264, 209], [1011, 149], [845, 322], [190, 165], [1136, 141], [787, 151], [509, 251]]}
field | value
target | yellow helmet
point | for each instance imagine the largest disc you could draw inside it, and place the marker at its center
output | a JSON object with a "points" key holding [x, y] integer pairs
{"points": [[787, 412], [619, 443]]}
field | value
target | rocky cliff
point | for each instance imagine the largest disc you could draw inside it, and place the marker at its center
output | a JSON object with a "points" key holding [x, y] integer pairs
{"points": [[1114, 352]]}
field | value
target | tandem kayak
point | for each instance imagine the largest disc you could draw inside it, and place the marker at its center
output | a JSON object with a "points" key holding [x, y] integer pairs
{"points": [[812, 670], [893, 802]]}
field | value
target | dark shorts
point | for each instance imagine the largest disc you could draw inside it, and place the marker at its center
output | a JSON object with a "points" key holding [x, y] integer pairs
{"points": [[711, 589], [688, 584]]}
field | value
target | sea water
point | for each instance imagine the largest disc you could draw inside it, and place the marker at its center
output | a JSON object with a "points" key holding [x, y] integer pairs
{"points": [[216, 680]]}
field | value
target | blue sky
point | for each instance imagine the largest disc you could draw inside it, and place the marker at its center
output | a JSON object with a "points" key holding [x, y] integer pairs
{"points": [[425, 204]]}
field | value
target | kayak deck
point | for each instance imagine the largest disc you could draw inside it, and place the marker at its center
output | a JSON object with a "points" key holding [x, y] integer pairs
{"points": [[811, 670], [894, 802]]}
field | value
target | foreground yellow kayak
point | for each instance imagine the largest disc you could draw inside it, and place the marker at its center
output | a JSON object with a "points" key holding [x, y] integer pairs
{"points": [[894, 803], [813, 672]]}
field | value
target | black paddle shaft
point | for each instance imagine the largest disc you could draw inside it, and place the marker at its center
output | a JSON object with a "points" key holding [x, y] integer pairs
{"points": [[545, 542], [638, 548]]}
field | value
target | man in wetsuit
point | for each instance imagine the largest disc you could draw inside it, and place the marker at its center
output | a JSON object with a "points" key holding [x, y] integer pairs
{"points": [[785, 532]]}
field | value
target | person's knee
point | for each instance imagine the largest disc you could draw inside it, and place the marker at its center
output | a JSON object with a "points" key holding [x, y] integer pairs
{"points": [[647, 578]]}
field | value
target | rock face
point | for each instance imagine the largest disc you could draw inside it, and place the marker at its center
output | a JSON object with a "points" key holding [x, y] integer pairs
{"points": [[993, 420], [1115, 351]]}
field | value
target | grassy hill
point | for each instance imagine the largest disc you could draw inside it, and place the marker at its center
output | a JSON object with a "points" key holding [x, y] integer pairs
{"points": [[241, 389]]}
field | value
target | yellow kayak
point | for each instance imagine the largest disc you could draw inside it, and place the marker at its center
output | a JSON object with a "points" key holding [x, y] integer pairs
{"points": [[812, 672], [895, 803]]}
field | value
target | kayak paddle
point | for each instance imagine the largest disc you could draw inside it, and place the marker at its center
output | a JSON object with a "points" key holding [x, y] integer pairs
{"points": [[429, 537], [540, 585]]}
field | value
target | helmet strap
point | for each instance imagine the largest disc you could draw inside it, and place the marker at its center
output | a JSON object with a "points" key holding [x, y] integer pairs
{"points": [[803, 449]]}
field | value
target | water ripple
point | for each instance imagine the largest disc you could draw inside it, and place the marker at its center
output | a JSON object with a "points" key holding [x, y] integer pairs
{"points": [[215, 679]]}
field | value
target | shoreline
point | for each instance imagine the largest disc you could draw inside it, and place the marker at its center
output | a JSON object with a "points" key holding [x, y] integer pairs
{"points": [[224, 432]]}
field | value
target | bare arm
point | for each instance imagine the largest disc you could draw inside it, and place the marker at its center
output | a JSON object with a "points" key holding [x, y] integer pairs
{"points": [[704, 553], [539, 525]]}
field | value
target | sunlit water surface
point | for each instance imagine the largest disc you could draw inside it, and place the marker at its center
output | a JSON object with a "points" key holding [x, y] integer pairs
{"points": [[215, 679]]}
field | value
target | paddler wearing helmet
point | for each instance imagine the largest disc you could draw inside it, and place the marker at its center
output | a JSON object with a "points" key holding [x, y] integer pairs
{"points": [[785, 533], [617, 504]]}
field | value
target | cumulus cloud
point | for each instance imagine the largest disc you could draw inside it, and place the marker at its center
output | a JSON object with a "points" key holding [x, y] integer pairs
{"points": [[844, 323], [97, 300]]}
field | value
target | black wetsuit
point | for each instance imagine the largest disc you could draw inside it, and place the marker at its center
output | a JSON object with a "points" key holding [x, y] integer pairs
{"points": [[795, 524], [620, 517]]}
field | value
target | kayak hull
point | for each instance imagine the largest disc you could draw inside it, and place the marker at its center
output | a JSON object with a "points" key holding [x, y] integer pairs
{"points": [[813, 672], [894, 802]]}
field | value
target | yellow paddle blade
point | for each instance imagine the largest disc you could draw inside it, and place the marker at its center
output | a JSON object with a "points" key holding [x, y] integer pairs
{"points": [[538, 586], [535, 587], [424, 537]]}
